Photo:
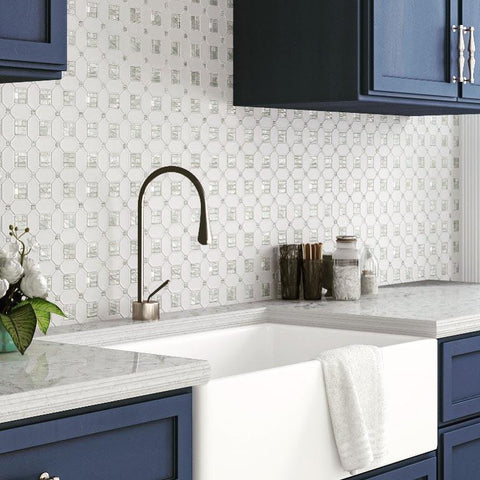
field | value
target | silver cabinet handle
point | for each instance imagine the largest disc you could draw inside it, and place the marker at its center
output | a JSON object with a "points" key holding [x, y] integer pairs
{"points": [[461, 54], [46, 476], [471, 52]]}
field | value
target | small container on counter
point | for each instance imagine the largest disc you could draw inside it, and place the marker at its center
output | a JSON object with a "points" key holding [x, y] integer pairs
{"points": [[369, 277], [290, 271], [312, 271], [327, 275], [346, 269]]}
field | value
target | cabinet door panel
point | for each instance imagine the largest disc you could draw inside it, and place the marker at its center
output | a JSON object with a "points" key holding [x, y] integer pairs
{"points": [[413, 46], [33, 32], [149, 441], [460, 452], [470, 17], [460, 378], [34, 15]]}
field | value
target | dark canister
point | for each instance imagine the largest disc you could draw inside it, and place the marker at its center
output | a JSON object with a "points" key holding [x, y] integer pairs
{"points": [[290, 271], [312, 279], [327, 275]]}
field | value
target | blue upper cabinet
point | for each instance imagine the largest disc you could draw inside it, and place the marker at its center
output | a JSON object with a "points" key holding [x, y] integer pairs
{"points": [[33, 40], [411, 47], [369, 56]]}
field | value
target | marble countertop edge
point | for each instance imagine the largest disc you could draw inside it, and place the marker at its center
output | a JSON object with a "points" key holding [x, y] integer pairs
{"points": [[458, 326], [138, 331], [270, 312], [401, 326], [96, 392]]}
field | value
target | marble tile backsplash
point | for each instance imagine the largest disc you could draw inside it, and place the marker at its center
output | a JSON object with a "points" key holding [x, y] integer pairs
{"points": [[150, 84]]}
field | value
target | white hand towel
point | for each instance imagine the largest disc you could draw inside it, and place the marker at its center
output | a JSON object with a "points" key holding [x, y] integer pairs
{"points": [[356, 399]]}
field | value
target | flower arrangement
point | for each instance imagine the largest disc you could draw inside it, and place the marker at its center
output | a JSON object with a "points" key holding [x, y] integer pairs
{"points": [[23, 292]]}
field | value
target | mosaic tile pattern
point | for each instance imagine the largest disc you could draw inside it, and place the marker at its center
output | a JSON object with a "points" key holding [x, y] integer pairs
{"points": [[150, 84]]}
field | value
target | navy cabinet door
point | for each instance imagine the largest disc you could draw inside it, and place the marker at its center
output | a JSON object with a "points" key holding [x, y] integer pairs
{"points": [[33, 34], [147, 441], [412, 47], [460, 378], [460, 452], [470, 17]]}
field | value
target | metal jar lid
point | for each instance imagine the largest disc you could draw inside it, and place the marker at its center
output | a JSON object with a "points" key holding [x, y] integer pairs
{"points": [[346, 239]]}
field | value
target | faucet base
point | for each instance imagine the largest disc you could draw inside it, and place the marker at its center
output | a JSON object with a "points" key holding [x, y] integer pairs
{"points": [[145, 311]]}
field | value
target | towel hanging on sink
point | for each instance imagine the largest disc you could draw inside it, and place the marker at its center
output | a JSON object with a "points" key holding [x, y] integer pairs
{"points": [[356, 398]]}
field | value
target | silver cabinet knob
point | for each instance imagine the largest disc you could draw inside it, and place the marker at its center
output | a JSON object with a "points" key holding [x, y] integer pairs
{"points": [[46, 476]]}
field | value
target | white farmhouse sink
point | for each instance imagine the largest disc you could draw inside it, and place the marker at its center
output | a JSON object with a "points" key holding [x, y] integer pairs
{"points": [[264, 414]]}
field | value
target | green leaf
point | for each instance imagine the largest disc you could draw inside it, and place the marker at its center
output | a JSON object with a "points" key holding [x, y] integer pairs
{"points": [[20, 324], [43, 308], [43, 320]]}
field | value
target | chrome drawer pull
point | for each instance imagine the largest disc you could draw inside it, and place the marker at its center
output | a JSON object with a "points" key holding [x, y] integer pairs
{"points": [[461, 54], [46, 476]]}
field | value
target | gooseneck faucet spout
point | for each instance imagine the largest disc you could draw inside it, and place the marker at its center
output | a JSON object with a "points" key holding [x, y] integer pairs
{"points": [[150, 310]]}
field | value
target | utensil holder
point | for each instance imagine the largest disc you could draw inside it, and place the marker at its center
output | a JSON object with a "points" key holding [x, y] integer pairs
{"points": [[327, 275], [290, 271], [312, 279]]}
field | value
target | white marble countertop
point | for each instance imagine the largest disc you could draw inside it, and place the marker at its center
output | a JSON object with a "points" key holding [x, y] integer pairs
{"points": [[431, 309], [428, 309], [68, 369], [54, 377]]}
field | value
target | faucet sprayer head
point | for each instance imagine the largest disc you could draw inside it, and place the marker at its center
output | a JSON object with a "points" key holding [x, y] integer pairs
{"points": [[204, 228]]}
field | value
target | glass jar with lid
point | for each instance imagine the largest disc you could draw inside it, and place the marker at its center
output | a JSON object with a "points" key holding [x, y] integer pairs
{"points": [[369, 266], [346, 269]]}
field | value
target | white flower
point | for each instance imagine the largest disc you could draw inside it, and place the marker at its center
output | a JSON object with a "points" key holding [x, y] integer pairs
{"points": [[30, 267], [34, 285], [3, 287], [10, 270], [11, 250]]}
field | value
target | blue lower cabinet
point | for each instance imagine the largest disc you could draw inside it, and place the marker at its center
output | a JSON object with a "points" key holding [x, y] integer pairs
{"points": [[422, 470], [150, 440], [460, 378], [460, 451]]}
